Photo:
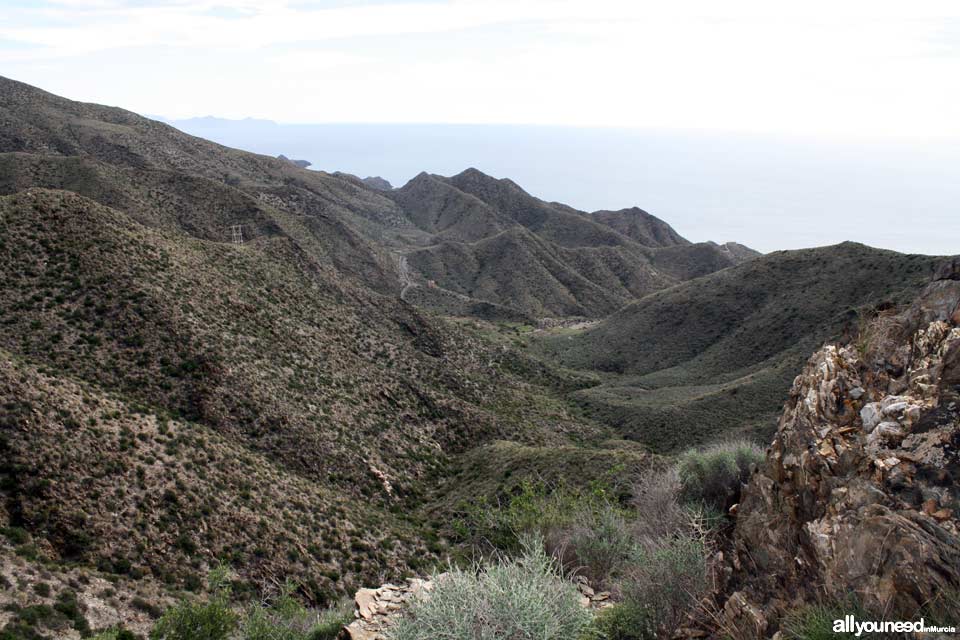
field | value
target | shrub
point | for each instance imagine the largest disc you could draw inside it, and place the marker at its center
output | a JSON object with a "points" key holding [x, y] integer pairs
{"points": [[195, 620], [813, 622], [16, 535], [534, 509], [620, 622], [331, 621], [669, 578], [284, 618], [522, 598], [656, 502], [713, 476], [597, 544], [116, 633]]}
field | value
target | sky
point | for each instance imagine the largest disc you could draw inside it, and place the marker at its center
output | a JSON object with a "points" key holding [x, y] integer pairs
{"points": [[853, 68], [867, 83]]}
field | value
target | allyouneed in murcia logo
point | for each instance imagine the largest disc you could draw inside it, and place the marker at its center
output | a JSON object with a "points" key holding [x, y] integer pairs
{"points": [[849, 624]]}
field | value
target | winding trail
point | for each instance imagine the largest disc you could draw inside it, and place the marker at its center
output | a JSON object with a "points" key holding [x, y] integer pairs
{"points": [[406, 278]]}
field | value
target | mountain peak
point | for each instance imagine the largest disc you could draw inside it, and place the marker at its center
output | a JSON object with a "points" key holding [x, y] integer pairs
{"points": [[641, 227]]}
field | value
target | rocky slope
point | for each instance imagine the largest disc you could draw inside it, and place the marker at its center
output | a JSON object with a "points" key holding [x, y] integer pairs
{"points": [[170, 397], [493, 242], [167, 178], [859, 492]]}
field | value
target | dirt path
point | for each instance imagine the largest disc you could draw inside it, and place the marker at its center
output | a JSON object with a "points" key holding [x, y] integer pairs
{"points": [[406, 278]]}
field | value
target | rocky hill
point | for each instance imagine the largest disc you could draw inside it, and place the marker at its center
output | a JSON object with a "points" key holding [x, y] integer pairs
{"points": [[641, 227], [173, 393], [303, 164], [494, 242], [167, 178], [859, 493]]}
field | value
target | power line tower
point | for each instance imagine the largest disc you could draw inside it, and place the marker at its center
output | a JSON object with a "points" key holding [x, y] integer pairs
{"points": [[236, 232]]}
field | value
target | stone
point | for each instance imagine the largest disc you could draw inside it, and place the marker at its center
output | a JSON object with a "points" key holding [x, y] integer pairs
{"points": [[895, 408], [949, 270], [870, 415], [889, 401], [886, 432], [366, 603], [744, 616]]}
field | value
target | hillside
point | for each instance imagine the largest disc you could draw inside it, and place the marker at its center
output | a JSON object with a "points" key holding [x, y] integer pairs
{"points": [[494, 243], [209, 355], [169, 179], [717, 354], [171, 397], [641, 227]]}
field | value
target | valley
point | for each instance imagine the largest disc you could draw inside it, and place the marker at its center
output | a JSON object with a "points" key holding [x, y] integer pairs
{"points": [[362, 388]]}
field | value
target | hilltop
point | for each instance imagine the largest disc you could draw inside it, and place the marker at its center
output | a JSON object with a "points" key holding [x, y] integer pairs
{"points": [[160, 175], [493, 242]]}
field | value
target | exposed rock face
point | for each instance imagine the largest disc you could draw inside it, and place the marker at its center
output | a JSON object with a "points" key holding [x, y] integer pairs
{"points": [[859, 493]]}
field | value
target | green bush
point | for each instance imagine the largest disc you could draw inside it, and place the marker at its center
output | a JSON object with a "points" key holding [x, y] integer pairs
{"points": [[533, 509], [197, 620], [284, 618], [116, 633], [522, 598], [331, 621], [597, 544], [713, 476], [814, 622], [16, 535], [621, 622], [668, 580]]}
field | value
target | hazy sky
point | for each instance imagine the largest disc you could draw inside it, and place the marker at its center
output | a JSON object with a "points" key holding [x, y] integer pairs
{"points": [[838, 67]]}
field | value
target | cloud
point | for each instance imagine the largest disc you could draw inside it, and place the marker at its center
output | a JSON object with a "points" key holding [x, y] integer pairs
{"points": [[855, 67]]}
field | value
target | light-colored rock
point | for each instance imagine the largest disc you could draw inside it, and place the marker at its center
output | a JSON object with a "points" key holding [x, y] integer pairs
{"points": [[895, 409], [887, 432], [366, 603], [870, 415]]}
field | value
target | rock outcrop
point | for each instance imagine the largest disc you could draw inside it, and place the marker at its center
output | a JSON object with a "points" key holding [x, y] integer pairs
{"points": [[859, 494]]}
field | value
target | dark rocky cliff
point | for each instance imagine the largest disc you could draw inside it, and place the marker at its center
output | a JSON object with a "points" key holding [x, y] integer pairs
{"points": [[859, 496]]}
